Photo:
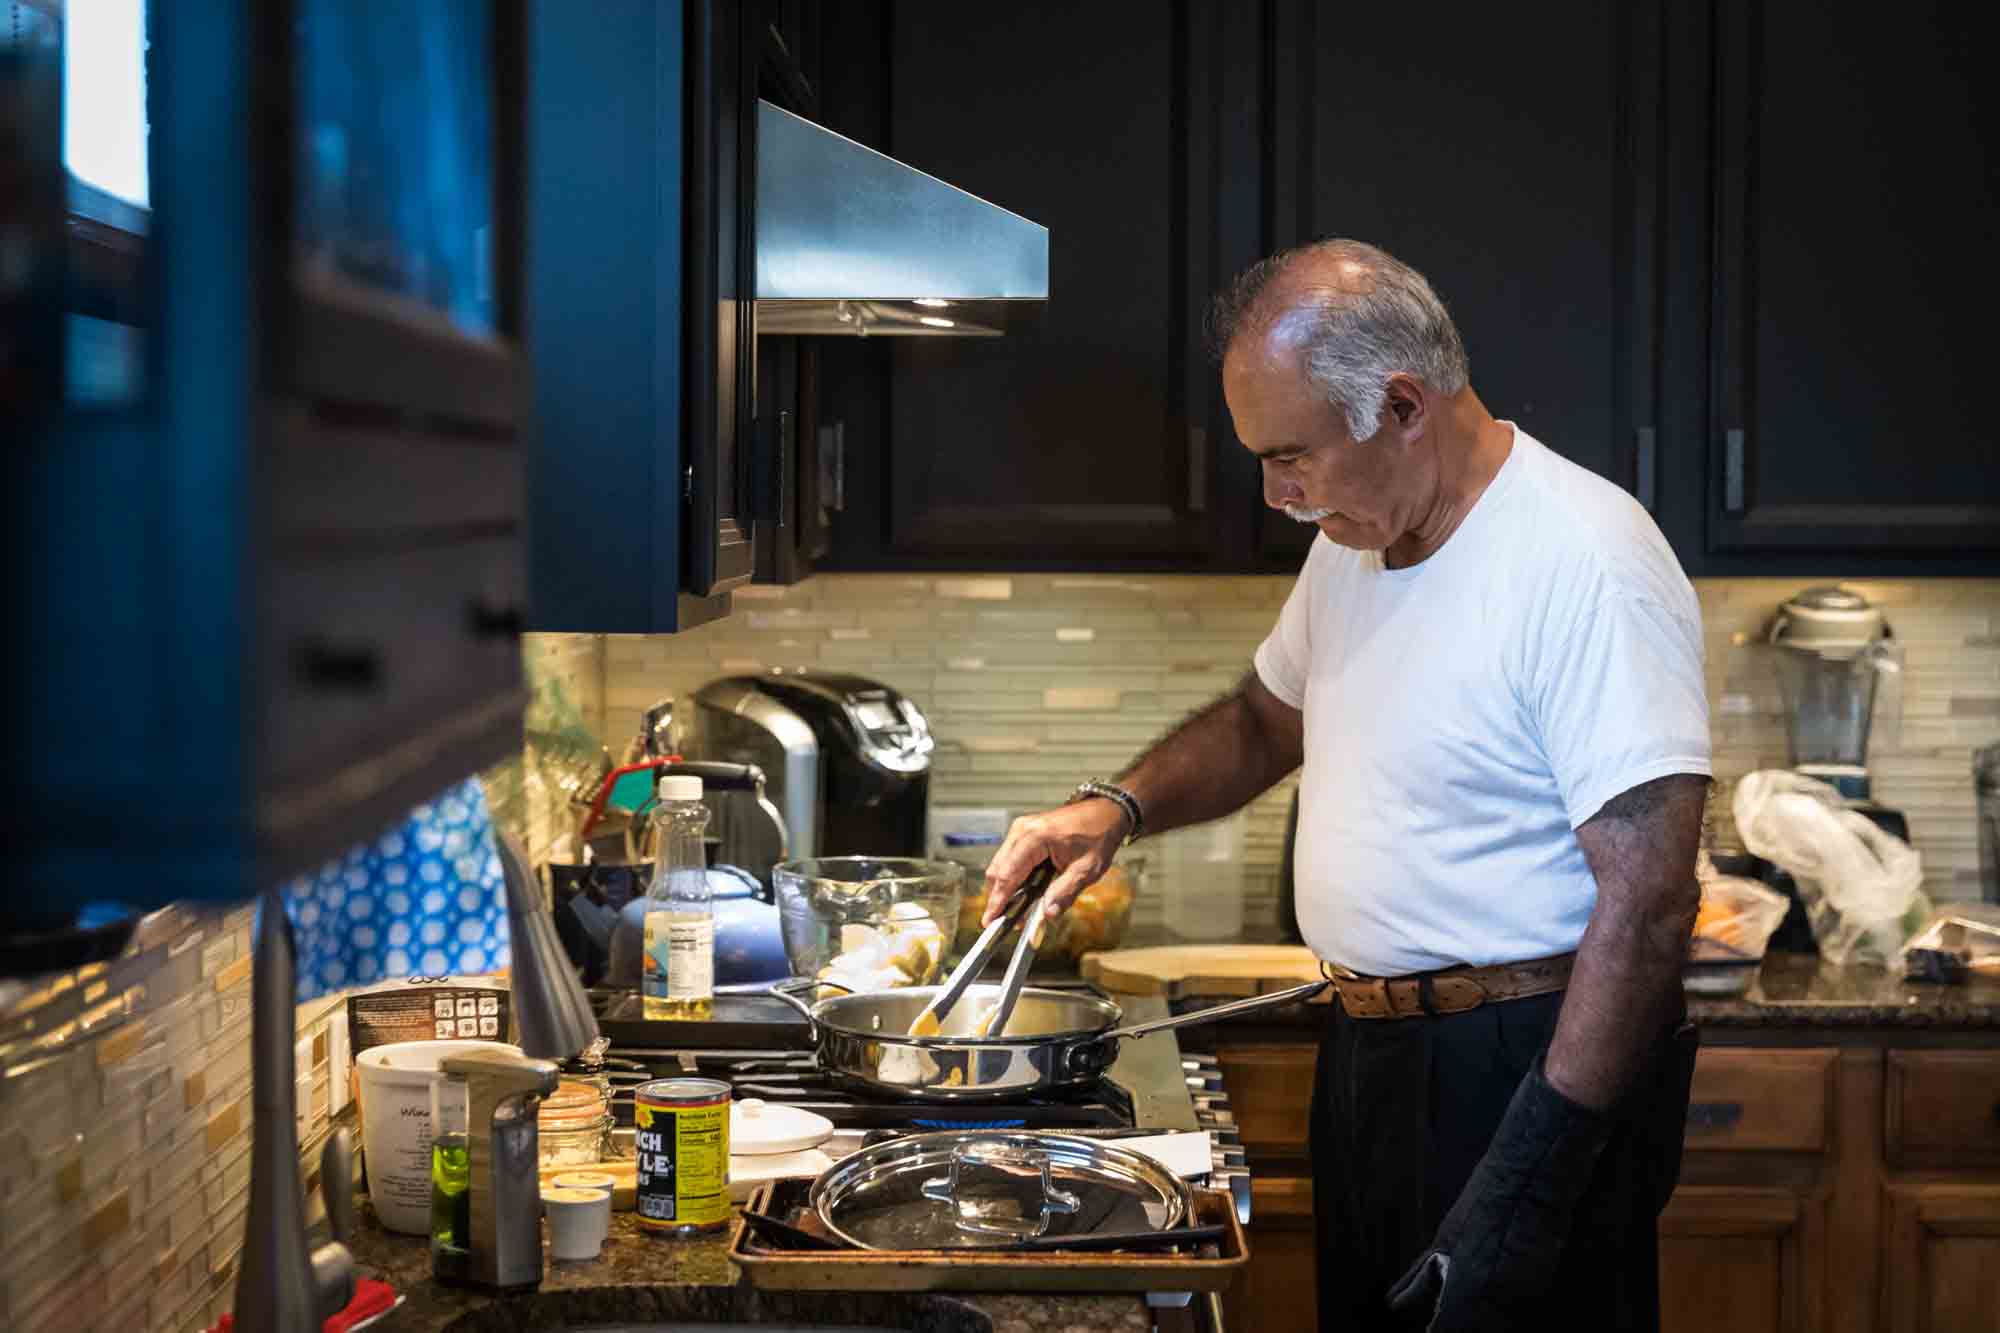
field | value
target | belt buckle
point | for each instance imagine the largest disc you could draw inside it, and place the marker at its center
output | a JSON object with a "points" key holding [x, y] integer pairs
{"points": [[1335, 972]]}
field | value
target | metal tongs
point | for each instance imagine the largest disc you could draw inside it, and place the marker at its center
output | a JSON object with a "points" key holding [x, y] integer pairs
{"points": [[1026, 899]]}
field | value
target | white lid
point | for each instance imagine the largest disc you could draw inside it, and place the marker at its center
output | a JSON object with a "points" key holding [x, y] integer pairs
{"points": [[757, 1127], [680, 787], [415, 1063]]}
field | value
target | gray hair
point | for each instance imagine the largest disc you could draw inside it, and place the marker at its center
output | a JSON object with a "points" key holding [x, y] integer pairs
{"points": [[1357, 334]]}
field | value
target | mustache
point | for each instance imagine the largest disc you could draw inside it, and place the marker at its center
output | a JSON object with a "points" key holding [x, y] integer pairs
{"points": [[1300, 515]]}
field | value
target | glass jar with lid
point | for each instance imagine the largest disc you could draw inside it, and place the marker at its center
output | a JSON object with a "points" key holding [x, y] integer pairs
{"points": [[574, 1124]]}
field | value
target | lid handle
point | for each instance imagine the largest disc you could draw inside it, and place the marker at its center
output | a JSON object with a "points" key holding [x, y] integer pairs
{"points": [[965, 1212]]}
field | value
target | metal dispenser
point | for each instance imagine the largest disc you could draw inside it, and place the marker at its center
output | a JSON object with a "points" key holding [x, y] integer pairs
{"points": [[285, 1285], [501, 1244]]}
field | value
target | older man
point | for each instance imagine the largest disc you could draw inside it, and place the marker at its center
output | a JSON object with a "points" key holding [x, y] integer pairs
{"points": [[1490, 669]]}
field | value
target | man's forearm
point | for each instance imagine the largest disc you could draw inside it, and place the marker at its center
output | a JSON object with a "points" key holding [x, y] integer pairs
{"points": [[1625, 989], [1626, 986], [1215, 762]]}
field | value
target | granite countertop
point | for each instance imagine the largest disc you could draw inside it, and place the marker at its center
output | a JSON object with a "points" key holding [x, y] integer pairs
{"points": [[1789, 990], [642, 1279], [1803, 989]]}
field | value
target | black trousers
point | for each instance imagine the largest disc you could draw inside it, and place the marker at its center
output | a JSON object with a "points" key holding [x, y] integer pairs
{"points": [[1403, 1110]]}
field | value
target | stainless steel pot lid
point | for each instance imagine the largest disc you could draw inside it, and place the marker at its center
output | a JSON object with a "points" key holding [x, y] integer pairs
{"points": [[970, 1189]]}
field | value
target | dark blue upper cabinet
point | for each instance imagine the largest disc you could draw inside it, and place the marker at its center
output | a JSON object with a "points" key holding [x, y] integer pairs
{"points": [[1848, 306], [1707, 251], [267, 582], [639, 315]]}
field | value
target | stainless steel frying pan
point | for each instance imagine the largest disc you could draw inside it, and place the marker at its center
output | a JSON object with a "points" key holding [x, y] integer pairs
{"points": [[1056, 1039]]}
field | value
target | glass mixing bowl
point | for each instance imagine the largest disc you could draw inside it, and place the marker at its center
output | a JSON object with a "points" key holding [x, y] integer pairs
{"points": [[868, 922]]}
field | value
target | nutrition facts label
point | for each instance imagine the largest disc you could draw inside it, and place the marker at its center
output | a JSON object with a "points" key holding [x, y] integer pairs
{"points": [[683, 1163]]}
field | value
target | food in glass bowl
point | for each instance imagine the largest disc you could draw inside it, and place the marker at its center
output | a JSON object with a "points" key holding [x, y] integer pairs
{"points": [[905, 950], [1100, 914], [867, 923], [1097, 919]]}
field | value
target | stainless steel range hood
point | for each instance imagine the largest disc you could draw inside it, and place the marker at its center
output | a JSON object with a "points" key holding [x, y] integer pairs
{"points": [[850, 241]]}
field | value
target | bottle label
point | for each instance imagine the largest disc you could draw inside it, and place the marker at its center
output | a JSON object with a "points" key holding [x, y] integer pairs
{"points": [[690, 959], [654, 957]]}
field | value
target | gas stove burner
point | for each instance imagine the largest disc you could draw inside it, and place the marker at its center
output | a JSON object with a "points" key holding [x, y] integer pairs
{"points": [[969, 1124], [795, 1079]]}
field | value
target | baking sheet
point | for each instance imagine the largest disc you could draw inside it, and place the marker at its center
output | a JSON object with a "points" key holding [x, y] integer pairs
{"points": [[1213, 1268]]}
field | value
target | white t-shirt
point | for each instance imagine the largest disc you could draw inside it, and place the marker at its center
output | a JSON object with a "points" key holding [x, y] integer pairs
{"points": [[1463, 716]]}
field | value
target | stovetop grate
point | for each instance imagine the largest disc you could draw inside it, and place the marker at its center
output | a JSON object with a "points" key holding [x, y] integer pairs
{"points": [[764, 1060], [795, 1079]]}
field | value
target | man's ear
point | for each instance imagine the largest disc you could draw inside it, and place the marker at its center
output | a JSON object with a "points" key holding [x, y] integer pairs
{"points": [[1405, 402]]}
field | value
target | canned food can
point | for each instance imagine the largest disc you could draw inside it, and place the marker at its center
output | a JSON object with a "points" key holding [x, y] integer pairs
{"points": [[682, 1141]]}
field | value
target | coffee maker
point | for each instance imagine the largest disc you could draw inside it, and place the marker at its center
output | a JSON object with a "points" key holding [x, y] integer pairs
{"points": [[848, 759]]}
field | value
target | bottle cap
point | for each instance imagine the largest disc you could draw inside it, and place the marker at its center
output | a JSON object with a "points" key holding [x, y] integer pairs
{"points": [[680, 787]]}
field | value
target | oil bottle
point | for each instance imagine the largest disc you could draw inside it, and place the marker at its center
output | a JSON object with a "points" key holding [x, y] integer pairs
{"points": [[677, 978]]}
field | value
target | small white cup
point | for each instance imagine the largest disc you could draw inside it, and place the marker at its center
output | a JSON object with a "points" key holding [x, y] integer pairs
{"points": [[579, 1219], [584, 1180]]}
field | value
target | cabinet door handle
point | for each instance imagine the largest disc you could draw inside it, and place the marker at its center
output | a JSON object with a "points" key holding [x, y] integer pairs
{"points": [[1732, 470], [1713, 1117], [326, 665], [496, 622], [1645, 452]]}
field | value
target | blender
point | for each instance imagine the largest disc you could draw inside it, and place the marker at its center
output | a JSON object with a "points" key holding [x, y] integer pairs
{"points": [[1833, 652]]}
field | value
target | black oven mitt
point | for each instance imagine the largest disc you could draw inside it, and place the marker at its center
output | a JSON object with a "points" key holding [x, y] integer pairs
{"points": [[1496, 1252]]}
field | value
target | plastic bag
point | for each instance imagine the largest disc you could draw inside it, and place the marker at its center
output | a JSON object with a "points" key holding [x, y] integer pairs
{"points": [[1738, 916], [1862, 887], [1962, 940]]}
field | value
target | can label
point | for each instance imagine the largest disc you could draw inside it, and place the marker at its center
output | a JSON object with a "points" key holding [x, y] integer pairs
{"points": [[683, 1167]]}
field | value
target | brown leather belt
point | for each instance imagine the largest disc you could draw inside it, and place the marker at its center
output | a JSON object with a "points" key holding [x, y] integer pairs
{"points": [[1452, 990]]}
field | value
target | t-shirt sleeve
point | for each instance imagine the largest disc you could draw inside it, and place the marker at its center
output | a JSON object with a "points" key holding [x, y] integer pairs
{"points": [[1286, 653], [1621, 701]]}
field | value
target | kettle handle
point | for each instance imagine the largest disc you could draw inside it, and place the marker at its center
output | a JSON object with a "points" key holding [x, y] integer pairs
{"points": [[716, 775]]}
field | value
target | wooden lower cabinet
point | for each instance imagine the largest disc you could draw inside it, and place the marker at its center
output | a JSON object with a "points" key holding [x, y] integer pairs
{"points": [[1942, 1266], [1740, 1260], [1277, 1291], [1841, 1188], [1270, 1093]]}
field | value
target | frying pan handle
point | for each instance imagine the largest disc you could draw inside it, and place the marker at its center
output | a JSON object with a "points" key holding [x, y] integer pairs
{"points": [[790, 990], [1255, 1004]]}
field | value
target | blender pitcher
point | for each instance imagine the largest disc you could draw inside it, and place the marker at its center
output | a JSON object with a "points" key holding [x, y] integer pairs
{"points": [[1834, 652]]}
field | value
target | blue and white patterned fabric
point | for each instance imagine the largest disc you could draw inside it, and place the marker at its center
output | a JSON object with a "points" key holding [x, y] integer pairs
{"points": [[425, 898]]}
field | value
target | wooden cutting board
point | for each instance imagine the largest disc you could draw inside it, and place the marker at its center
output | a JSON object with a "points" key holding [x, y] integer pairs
{"points": [[1179, 970]]}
